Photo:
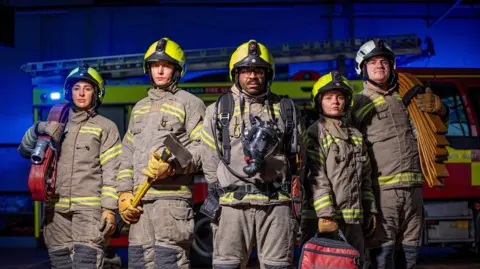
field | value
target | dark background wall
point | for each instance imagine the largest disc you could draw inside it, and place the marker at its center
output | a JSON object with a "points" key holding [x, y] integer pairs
{"points": [[53, 32]]}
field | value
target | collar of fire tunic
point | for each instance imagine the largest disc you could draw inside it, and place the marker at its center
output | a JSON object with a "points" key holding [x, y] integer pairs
{"points": [[158, 94]]}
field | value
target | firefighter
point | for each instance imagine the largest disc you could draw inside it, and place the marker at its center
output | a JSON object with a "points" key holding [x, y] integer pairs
{"points": [[161, 230], [80, 218], [338, 165], [245, 154], [379, 113]]}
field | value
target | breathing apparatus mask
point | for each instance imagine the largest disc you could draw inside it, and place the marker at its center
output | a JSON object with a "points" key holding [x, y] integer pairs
{"points": [[258, 143]]}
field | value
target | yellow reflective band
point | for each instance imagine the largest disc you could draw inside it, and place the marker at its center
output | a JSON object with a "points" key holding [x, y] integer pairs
{"points": [[237, 112], [403, 177], [197, 132], [475, 174], [323, 202], [129, 135], [315, 156], [329, 140], [357, 140], [109, 191], [29, 136], [110, 153], [229, 197], [208, 139], [397, 96], [175, 111], [172, 189], [367, 160], [349, 214], [91, 130], [364, 110], [368, 195], [125, 173]]}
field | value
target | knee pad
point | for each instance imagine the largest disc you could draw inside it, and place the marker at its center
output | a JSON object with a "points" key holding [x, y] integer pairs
{"points": [[86, 257], [60, 258], [165, 258], [136, 257]]}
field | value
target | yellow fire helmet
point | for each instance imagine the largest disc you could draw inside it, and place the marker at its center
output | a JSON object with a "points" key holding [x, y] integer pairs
{"points": [[166, 50], [88, 74], [252, 53], [331, 81]]}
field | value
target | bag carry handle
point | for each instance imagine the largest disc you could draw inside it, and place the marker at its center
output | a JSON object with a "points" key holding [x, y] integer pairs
{"points": [[339, 233]]}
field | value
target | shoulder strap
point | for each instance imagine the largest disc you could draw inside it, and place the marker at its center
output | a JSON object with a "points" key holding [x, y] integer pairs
{"points": [[288, 114], [227, 104]]}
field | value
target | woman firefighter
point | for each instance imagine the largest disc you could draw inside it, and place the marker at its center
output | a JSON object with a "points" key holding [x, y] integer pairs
{"points": [[80, 218], [338, 180]]}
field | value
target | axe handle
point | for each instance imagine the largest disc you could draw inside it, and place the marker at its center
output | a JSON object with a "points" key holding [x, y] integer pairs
{"points": [[143, 189]]}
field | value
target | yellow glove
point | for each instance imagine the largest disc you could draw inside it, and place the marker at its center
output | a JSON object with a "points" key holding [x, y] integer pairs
{"points": [[326, 225], [128, 213], [157, 169], [107, 223], [431, 103]]}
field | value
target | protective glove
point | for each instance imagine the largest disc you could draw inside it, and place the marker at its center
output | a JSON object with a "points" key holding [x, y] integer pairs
{"points": [[52, 128], [128, 213], [107, 223], [326, 225], [158, 169], [431, 103], [369, 225]]}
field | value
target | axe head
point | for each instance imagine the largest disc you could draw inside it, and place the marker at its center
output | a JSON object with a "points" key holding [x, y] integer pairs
{"points": [[181, 155]]}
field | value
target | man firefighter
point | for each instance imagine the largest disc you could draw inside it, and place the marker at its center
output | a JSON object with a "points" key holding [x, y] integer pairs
{"points": [[161, 230], [247, 137], [338, 169], [380, 114], [80, 218]]}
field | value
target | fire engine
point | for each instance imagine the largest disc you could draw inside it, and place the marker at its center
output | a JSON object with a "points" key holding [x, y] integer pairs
{"points": [[452, 211]]}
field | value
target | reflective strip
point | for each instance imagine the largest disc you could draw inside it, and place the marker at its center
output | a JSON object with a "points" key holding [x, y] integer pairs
{"points": [[109, 191], [322, 202], [110, 153], [364, 110], [308, 214], [129, 136], [228, 197], [31, 136], [402, 177], [349, 214], [86, 201], [168, 189], [368, 195], [91, 130], [196, 133], [237, 112], [208, 139], [357, 140], [89, 201], [315, 156], [175, 111], [304, 137], [142, 110], [397, 96], [329, 140], [125, 173], [367, 160]]}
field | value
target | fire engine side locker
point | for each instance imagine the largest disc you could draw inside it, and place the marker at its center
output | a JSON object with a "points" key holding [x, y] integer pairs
{"points": [[449, 222]]}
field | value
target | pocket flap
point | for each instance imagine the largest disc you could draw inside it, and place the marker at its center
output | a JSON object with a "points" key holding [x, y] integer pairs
{"points": [[181, 213]]}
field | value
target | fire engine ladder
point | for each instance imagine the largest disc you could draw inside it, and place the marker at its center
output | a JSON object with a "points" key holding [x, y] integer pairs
{"points": [[130, 65]]}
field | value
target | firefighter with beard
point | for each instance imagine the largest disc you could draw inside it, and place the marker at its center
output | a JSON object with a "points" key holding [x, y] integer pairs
{"points": [[161, 230], [380, 114], [80, 218], [338, 177], [245, 156]]}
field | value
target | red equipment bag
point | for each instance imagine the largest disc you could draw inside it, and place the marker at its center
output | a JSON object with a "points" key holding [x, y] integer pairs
{"points": [[329, 253], [43, 171]]}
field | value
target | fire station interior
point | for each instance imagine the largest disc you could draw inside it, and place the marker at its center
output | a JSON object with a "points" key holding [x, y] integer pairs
{"points": [[42, 41]]}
